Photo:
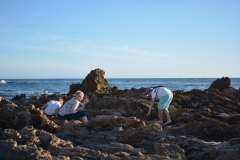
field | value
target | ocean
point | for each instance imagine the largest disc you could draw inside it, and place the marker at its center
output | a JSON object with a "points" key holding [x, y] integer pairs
{"points": [[9, 88]]}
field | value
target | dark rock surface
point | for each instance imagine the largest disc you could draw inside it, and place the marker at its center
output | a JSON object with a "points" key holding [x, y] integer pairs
{"points": [[206, 126], [221, 84]]}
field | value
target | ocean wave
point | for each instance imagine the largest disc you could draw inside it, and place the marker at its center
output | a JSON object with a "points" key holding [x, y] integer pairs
{"points": [[36, 87], [3, 82]]}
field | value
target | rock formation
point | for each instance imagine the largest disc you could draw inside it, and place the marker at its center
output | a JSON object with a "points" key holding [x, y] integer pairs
{"points": [[93, 81], [206, 126], [221, 84]]}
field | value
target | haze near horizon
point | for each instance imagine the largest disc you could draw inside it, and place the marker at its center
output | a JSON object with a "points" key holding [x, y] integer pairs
{"points": [[126, 39]]}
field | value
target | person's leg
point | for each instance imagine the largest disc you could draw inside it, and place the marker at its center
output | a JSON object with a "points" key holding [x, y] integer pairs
{"points": [[61, 117], [161, 105], [168, 116], [78, 115], [160, 116], [165, 108], [81, 115], [84, 119]]}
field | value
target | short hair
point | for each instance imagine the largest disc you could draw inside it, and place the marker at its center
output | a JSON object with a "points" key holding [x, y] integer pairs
{"points": [[60, 99], [148, 90]]}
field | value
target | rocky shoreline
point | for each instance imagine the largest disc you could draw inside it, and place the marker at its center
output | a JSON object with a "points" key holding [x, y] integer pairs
{"points": [[206, 125]]}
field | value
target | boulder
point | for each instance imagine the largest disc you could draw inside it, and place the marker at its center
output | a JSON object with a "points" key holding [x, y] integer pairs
{"points": [[221, 84], [94, 81]]}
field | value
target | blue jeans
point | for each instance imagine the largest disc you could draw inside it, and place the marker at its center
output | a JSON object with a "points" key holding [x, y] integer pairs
{"points": [[71, 116]]}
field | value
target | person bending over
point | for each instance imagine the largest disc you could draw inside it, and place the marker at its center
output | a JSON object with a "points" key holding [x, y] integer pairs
{"points": [[165, 96], [52, 107]]}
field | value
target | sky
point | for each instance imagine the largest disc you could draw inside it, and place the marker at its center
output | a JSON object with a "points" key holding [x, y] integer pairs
{"points": [[125, 38]]}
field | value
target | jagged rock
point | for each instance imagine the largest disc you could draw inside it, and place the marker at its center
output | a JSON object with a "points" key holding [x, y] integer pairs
{"points": [[6, 146], [27, 152], [94, 81], [221, 84], [17, 97], [170, 151], [205, 124]]}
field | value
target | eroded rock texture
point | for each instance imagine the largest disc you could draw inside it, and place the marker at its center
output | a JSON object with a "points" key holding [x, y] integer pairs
{"points": [[206, 126]]}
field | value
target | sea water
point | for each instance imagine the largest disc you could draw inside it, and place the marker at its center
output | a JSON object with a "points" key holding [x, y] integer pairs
{"points": [[32, 87]]}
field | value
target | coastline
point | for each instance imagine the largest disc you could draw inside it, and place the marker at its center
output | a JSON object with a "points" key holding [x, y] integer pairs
{"points": [[37, 87], [203, 122]]}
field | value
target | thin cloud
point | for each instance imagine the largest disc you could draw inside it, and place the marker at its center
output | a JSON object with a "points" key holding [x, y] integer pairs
{"points": [[106, 40], [52, 37], [111, 56], [23, 59], [139, 52]]}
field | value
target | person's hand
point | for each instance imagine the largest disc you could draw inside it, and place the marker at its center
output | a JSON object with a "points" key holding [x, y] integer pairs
{"points": [[149, 112], [44, 106], [85, 101], [79, 109]]}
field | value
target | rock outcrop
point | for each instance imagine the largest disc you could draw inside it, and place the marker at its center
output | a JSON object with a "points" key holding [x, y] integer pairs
{"points": [[206, 126], [93, 81], [221, 84]]}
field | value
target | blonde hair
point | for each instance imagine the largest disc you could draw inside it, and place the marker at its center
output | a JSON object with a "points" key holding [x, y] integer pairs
{"points": [[79, 94]]}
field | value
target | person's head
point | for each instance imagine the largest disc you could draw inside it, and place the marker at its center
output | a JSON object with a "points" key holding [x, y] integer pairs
{"points": [[148, 91], [60, 100], [79, 95]]}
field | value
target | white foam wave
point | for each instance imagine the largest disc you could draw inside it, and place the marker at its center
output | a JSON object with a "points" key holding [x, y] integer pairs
{"points": [[3, 82]]}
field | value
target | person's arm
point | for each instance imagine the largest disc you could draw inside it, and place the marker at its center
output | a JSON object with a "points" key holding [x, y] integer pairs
{"points": [[74, 107], [150, 107], [81, 107], [44, 106], [85, 101], [56, 112], [82, 104]]}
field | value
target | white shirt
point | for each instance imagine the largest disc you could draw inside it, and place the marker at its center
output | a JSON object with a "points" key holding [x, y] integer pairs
{"points": [[51, 107], [69, 107], [159, 92]]}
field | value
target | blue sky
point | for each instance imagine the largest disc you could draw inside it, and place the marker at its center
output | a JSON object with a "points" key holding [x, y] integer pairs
{"points": [[125, 38]]}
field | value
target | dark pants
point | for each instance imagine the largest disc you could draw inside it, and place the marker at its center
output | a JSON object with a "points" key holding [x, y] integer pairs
{"points": [[76, 115]]}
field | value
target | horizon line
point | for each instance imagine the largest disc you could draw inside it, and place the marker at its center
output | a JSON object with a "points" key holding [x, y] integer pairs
{"points": [[130, 78]]}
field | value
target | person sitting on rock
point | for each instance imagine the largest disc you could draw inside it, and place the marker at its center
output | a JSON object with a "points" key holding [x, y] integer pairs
{"points": [[52, 107], [165, 97], [72, 108]]}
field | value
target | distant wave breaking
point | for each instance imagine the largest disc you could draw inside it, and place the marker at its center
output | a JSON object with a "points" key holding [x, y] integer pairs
{"points": [[3, 82]]}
